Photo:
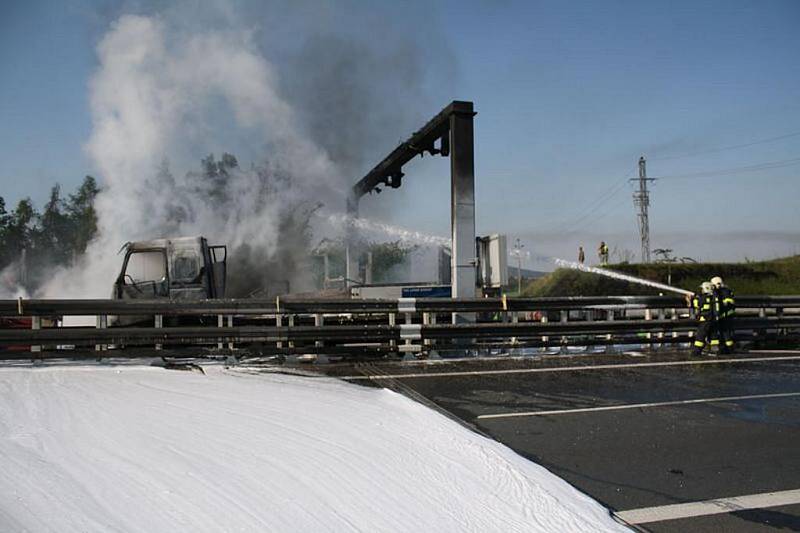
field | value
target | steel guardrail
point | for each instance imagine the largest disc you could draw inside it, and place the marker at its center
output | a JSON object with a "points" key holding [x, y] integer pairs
{"points": [[36, 307], [364, 333]]}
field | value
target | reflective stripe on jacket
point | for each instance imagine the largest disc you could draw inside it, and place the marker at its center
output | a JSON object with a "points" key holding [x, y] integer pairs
{"points": [[725, 303], [703, 306]]}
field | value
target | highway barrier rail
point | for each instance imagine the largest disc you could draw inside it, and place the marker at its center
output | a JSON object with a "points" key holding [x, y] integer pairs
{"points": [[359, 328]]}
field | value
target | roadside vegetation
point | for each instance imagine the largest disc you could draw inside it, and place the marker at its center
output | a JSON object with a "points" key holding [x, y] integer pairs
{"points": [[33, 241], [773, 277]]}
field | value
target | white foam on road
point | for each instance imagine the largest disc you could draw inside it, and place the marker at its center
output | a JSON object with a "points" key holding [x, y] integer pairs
{"points": [[764, 500], [146, 449], [640, 405]]}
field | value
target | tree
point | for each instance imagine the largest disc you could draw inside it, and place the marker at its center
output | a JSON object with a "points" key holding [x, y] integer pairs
{"points": [[387, 257], [21, 227], [5, 222], [52, 238], [214, 178], [82, 215]]}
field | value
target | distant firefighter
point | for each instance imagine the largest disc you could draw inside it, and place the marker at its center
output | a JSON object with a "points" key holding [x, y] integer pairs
{"points": [[724, 308], [602, 253], [581, 255], [703, 305]]}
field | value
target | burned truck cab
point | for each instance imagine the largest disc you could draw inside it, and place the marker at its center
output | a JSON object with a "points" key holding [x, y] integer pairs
{"points": [[184, 268]]}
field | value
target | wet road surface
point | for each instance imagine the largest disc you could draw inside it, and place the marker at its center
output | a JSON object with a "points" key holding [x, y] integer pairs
{"points": [[638, 432]]}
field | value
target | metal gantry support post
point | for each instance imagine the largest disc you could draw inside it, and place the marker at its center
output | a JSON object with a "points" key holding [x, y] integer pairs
{"points": [[462, 203], [351, 241]]}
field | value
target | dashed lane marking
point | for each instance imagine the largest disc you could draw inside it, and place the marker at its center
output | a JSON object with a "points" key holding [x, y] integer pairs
{"points": [[647, 515], [639, 405], [611, 366]]}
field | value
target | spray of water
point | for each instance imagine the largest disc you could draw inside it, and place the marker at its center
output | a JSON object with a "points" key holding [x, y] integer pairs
{"points": [[405, 235], [563, 263], [417, 237], [618, 276]]}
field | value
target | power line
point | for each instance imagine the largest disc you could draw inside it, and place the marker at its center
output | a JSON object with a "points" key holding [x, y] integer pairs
{"points": [[608, 211], [591, 206], [576, 224], [735, 170], [724, 148]]}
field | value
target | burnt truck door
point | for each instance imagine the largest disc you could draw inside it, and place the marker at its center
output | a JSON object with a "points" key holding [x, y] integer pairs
{"points": [[144, 275], [218, 257]]}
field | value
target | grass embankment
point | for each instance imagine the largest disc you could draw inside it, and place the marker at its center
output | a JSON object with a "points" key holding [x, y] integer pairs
{"points": [[778, 276]]}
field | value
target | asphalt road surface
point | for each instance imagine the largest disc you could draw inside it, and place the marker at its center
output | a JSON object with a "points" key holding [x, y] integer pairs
{"points": [[668, 442]]}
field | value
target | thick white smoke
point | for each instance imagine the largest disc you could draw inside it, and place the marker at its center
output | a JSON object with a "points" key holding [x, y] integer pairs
{"points": [[162, 93]]}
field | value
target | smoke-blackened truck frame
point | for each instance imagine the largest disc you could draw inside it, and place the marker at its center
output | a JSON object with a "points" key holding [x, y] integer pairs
{"points": [[183, 268]]}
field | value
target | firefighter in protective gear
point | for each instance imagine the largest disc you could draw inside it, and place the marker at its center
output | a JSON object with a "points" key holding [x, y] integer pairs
{"points": [[724, 308], [703, 305], [602, 253]]}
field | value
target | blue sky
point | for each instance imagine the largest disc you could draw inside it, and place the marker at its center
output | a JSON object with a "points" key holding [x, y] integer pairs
{"points": [[569, 95]]}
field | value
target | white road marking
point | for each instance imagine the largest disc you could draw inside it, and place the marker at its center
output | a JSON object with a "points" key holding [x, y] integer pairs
{"points": [[639, 405], [463, 373], [647, 515]]}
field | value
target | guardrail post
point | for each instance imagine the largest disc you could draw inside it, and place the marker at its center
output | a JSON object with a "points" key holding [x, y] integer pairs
{"points": [[101, 323], [408, 321], [319, 321], [661, 316], [291, 325], [609, 337], [393, 323], [762, 332], [279, 323], [426, 319], [230, 325], [564, 319], [514, 320], [36, 323], [675, 316], [220, 323], [544, 320], [431, 342], [648, 315], [159, 322]]}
